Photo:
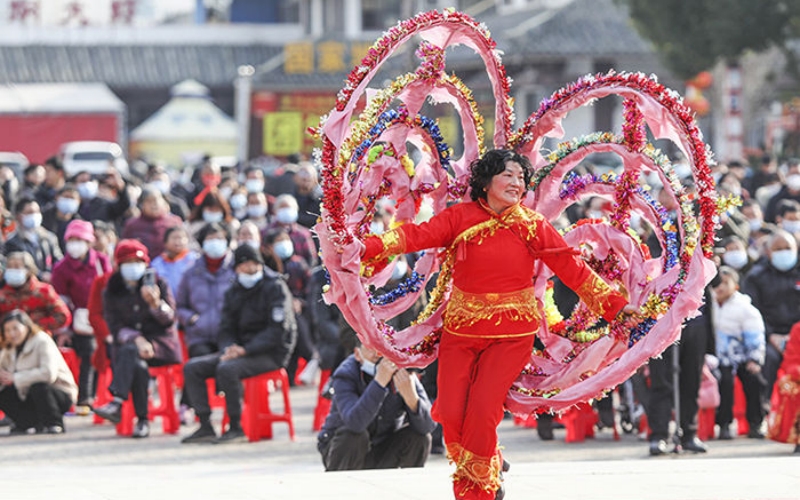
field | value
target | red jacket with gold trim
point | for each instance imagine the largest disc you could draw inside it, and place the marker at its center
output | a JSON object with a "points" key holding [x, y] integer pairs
{"points": [[492, 257]]}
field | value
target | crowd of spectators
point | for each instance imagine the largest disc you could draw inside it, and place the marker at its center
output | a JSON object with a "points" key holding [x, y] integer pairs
{"points": [[77, 256]]}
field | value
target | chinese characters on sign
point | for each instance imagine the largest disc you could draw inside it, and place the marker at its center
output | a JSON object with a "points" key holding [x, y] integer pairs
{"points": [[303, 58]]}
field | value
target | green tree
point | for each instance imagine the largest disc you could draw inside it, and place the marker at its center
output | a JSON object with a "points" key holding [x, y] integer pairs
{"points": [[692, 35]]}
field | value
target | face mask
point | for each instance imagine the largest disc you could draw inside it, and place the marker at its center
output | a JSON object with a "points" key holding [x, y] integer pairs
{"points": [[132, 271], [238, 201], [253, 243], [376, 227], [210, 216], [254, 185], [87, 190], [783, 260], [256, 211], [283, 249], [792, 226], [594, 214], [161, 186], [67, 206], [215, 248], [755, 224], [15, 277], [286, 215], [737, 259], [635, 220], [368, 367], [249, 280], [400, 270], [793, 182], [31, 221], [225, 192], [77, 248]]}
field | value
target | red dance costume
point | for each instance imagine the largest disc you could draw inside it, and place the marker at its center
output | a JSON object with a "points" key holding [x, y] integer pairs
{"points": [[784, 416], [490, 320]]}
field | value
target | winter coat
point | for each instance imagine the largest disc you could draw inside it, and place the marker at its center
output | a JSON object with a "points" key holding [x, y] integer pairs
{"points": [[260, 319], [41, 302], [740, 331], [202, 292], [361, 404], [776, 294], [173, 270], [45, 249], [128, 316], [72, 278], [38, 361], [150, 231]]}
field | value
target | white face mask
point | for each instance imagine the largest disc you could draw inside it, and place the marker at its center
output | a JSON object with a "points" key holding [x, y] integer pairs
{"points": [[791, 226], [15, 277], [77, 248], [256, 211], [368, 367], [87, 190], [286, 215], [755, 224], [793, 182], [238, 201], [283, 249], [249, 280], [212, 216], [254, 185], [737, 259], [132, 271], [376, 227], [215, 248], [162, 187], [32, 221], [400, 270]]}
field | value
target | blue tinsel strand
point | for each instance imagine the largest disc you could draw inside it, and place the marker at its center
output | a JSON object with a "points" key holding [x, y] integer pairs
{"points": [[408, 285]]}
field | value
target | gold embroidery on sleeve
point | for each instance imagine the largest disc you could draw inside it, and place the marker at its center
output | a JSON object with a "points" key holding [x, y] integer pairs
{"points": [[595, 293]]}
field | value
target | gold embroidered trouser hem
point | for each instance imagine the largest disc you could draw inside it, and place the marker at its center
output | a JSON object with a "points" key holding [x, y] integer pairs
{"points": [[480, 472]]}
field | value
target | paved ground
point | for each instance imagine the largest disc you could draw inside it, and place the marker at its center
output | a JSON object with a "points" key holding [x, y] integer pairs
{"points": [[90, 462]]}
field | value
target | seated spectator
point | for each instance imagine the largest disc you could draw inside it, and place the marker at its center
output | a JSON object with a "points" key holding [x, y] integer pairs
{"points": [[308, 195], [256, 335], [36, 385], [257, 209], [212, 208], [95, 207], [735, 255], [772, 285], [159, 180], [740, 349], [22, 290], [784, 416], [248, 234], [238, 203], [58, 215], [286, 213], [140, 312], [31, 237], [72, 279], [202, 291], [380, 416], [151, 226], [326, 322], [176, 258], [105, 238]]}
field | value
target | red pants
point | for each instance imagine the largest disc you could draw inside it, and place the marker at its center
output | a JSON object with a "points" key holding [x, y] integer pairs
{"points": [[475, 375]]}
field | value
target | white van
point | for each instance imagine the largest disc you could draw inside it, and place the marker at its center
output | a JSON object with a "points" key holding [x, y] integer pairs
{"points": [[92, 156]]}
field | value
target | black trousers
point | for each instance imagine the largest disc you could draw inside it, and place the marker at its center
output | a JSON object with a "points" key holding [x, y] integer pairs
{"points": [[229, 375], [347, 450], [753, 386], [85, 346], [131, 376], [197, 350], [658, 402], [772, 363], [45, 406]]}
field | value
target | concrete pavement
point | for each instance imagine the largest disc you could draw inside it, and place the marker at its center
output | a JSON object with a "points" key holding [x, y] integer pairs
{"points": [[90, 462]]}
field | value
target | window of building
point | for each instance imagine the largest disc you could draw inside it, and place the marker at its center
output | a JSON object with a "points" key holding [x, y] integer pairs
{"points": [[377, 15]]}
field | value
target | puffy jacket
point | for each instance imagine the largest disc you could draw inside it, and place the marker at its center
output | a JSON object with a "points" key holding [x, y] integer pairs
{"points": [[202, 292], [38, 361], [260, 319], [776, 294]]}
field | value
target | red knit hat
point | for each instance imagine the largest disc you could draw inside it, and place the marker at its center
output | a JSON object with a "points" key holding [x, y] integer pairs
{"points": [[127, 250]]}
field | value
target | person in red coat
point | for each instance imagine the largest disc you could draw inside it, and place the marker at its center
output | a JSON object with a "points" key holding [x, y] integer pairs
{"points": [[492, 316], [22, 290], [784, 416]]}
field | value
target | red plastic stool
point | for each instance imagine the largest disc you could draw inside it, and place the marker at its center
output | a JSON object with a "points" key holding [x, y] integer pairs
{"points": [[165, 383], [579, 423], [740, 407], [73, 362], [323, 404], [706, 418], [257, 417]]}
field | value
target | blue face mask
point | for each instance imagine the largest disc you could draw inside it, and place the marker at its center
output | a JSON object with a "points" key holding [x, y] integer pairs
{"points": [[368, 367], [249, 280], [783, 260], [67, 206], [212, 216], [215, 248], [283, 249], [286, 215], [31, 221], [87, 190]]}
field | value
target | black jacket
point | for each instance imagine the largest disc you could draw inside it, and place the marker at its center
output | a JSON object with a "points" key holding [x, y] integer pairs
{"points": [[260, 319], [776, 294]]}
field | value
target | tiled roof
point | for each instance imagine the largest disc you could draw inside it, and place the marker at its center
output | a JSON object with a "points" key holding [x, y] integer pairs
{"points": [[129, 65]]}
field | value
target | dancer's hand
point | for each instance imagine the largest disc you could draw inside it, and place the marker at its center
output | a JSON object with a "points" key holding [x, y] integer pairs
{"points": [[630, 316]]}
